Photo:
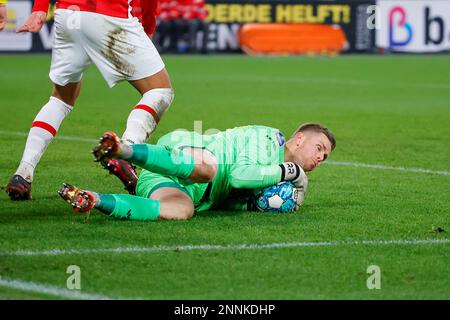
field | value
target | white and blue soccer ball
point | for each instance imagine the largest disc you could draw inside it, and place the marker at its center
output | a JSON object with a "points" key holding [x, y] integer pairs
{"points": [[281, 197]]}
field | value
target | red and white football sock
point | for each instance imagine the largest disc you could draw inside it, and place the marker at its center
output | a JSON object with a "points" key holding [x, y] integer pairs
{"points": [[145, 116], [43, 129]]}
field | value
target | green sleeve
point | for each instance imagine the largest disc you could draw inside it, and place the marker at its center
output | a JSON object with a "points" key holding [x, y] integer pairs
{"points": [[251, 176], [257, 159]]}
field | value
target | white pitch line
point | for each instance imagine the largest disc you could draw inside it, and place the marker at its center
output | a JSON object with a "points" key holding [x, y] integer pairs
{"points": [[336, 163], [50, 290], [383, 167], [57, 137], [74, 294], [206, 247]]}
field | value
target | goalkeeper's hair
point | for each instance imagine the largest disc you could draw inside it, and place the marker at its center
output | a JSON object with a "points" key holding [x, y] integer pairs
{"points": [[316, 127]]}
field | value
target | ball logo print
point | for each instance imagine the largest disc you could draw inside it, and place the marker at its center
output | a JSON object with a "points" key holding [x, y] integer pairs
{"points": [[278, 198], [399, 25]]}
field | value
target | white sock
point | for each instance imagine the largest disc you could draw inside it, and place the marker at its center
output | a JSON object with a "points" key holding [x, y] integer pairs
{"points": [[145, 116], [44, 128]]}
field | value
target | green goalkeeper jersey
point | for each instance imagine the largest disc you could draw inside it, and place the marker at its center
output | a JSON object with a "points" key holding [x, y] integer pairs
{"points": [[248, 157]]}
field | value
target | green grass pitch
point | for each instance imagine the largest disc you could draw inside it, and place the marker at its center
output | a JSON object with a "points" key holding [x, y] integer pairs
{"points": [[390, 111]]}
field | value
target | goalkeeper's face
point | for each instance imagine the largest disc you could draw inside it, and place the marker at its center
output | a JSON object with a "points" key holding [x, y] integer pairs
{"points": [[310, 149]]}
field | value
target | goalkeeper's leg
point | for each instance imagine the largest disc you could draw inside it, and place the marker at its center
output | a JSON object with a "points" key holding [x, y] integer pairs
{"points": [[164, 204], [194, 164]]}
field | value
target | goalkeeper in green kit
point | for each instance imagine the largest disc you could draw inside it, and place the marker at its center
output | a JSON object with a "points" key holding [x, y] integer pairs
{"points": [[186, 172]]}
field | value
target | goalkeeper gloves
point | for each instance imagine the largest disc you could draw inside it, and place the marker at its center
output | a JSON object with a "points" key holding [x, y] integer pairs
{"points": [[294, 173]]}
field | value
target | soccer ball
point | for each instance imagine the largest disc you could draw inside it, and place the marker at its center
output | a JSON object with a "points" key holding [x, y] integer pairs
{"points": [[281, 197]]}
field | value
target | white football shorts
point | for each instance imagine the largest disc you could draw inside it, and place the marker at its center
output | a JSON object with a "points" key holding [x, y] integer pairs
{"points": [[119, 48]]}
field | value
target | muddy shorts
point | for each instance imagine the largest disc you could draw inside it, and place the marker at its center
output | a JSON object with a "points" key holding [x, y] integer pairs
{"points": [[119, 47]]}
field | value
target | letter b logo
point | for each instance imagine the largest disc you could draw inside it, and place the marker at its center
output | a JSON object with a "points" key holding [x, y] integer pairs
{"points": [[398, 22], [438, 23]]}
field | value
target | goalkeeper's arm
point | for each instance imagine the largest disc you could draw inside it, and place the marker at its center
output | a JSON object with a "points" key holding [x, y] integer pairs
{"points": [[250, 176]]}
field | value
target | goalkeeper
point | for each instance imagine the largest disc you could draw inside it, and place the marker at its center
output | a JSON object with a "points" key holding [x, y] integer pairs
{"points": [[187, 172]]}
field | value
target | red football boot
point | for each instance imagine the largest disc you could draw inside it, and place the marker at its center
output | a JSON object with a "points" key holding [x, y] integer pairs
{"points": [[107, 148], [80, 200], [18, 188], [125, 171]]}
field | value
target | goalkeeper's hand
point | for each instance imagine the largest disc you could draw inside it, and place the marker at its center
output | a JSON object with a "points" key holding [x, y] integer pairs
{"points": [[294, 173]]}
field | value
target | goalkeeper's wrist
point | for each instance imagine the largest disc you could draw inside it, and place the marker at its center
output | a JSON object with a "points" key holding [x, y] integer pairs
{"points": [[289, 171]]}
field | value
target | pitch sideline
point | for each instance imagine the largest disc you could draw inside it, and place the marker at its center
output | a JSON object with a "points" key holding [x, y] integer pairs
{"points": [[206, 247], [74, 294], [50, 290]]}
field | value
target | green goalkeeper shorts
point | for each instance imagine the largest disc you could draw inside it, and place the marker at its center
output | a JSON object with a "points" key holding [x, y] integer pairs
{"points": [[149, 182]]}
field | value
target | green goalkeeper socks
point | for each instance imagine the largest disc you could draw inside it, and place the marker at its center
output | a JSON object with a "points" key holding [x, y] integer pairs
{"points": [[128, 207], [162, 160]]}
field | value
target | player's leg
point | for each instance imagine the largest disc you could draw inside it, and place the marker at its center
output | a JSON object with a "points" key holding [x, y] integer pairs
{"points": [[43, 130], [122, 51], [164, 204], [195, 164], [68, 63], [206, 165], [67, 93], [157, 95], [174, 204]]}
